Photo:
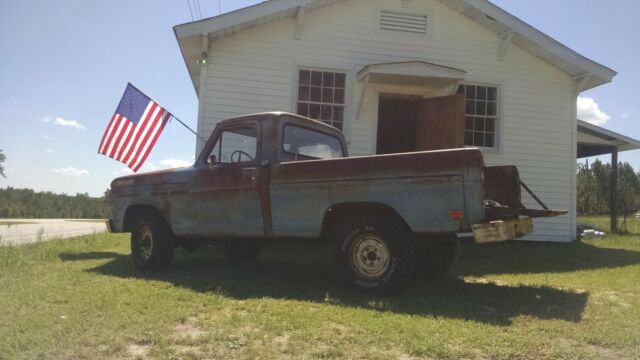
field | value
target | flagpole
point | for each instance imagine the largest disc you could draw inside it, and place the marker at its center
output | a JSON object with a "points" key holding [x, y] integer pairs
{"points": [[188, 128]]}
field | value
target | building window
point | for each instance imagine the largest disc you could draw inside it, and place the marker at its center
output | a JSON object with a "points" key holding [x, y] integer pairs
{"points": [[321, 96], [481, 115]]}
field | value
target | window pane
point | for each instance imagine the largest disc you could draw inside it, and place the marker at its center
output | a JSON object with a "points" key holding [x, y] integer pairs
{"points": [[303, 93], [340, 80], [316, 78], [469, 91], [478, 124], [327, 79], [478, 139], [303, 109], [490, 125], [305, 77], [325, 112], [311, 143], [314, 111], [492, 93], [316, 94], [468, 123], [338, 113], [488, 140], [470, 107], [491, 108], [339, 96], [238, 145], [468, 138], [460, 89], [481, 108], [481, 93], [327, 95]]}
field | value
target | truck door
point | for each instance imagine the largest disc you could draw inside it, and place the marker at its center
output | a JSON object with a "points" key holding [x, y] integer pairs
{"points": [[224, 195], [440, 123]]}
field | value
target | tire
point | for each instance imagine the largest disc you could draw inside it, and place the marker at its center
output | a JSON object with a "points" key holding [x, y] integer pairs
{"points": [[152, 242], [242, 249], [438, 257], [375, 255]]}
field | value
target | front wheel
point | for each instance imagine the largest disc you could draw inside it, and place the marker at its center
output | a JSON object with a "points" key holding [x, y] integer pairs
{"points": [[152, 242], [375, 255]]}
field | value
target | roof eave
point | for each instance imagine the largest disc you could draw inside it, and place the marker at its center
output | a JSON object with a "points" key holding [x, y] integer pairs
{"points": [[590, 67]]}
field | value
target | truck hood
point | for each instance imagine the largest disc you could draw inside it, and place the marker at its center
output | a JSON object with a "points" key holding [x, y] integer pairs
{"points": [[168, 176]]}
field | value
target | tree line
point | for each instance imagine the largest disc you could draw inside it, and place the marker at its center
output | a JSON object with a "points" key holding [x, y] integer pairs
{"points": [[26, 203], [594, 188]]}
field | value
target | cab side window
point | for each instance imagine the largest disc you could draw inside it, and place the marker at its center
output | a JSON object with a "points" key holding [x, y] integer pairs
{"points": [[235, 145]]}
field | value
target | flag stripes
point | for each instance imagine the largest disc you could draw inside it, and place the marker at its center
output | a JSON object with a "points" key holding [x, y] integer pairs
{"points": [[130, 141]]}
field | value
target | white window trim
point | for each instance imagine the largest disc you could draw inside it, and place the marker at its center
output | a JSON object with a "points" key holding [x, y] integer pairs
{"points": [[349, 81], [498, 148]]}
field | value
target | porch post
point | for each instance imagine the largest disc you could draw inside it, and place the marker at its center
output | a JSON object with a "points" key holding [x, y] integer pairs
{"points": [[614, 190]]}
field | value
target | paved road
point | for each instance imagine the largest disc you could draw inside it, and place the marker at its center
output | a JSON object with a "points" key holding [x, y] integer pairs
{"points": [[34, 230]]}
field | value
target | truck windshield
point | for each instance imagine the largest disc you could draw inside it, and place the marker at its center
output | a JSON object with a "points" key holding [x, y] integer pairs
{"points": [[311, 144]]}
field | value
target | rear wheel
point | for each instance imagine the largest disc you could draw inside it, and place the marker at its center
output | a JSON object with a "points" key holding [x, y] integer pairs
{"points": [[374, 255], [152, 242]]}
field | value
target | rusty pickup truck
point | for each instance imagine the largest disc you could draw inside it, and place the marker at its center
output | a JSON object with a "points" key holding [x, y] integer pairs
{"points": [[280, 175]]}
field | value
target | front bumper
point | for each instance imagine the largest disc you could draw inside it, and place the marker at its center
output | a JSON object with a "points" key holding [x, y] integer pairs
{"points": [[502, 230]]}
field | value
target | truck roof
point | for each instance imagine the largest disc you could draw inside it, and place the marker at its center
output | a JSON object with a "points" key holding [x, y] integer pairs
{"points": [[264, 116]]}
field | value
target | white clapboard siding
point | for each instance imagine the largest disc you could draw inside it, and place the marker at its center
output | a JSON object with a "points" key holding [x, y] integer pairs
{"points": [[256, 70]]}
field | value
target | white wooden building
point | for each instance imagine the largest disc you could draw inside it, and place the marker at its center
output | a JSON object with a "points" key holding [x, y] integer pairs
{"points": [[373, 67]]}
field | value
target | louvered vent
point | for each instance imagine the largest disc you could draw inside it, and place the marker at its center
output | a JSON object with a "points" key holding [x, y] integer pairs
{"points": [[402, 22]]}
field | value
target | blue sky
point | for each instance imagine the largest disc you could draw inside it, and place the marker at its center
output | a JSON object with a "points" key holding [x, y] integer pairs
{"points": [[65, 65]]}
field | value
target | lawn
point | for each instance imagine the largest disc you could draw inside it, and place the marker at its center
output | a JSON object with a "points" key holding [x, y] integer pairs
{"points": [[83, 299]]}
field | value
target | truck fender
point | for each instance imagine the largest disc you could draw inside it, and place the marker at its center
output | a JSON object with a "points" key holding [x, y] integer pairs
{"points": [[338, 213]]}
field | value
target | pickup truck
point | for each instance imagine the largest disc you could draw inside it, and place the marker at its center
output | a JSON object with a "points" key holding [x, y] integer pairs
{"points": [[279, 175]]}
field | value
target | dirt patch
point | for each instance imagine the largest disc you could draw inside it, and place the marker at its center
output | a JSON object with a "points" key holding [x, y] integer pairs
{"points": [[190, 329], [139, 351]]}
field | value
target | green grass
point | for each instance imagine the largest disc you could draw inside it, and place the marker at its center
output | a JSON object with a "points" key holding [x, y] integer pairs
{"points": [[83, 299]]}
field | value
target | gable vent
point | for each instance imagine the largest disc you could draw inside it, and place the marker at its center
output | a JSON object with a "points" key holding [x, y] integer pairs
{"points": [[402, 22]]}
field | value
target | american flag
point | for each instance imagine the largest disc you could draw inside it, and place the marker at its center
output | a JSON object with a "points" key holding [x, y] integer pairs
{"points": [[133, 129]]}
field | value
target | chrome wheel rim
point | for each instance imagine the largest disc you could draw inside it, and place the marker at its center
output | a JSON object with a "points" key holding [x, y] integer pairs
{"points": [[370, 256], [145, 242]]}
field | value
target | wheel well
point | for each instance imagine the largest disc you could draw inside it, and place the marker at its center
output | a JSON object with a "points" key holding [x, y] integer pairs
{"points": [[338, 212], [133, 211]]}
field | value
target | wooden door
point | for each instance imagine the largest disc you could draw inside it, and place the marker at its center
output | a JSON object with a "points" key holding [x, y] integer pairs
{"points": [[440, 123]]}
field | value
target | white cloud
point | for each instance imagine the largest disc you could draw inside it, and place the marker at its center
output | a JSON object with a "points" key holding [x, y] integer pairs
{"points": [[47, 137], [589, 111], [50, 151], [123, 171], [175, 163], [148, 166], [71, 172], [58, 121], [68, 123], [625, 114]]}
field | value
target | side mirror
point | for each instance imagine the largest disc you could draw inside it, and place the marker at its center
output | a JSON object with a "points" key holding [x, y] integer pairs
{"points": [[212, 159]]}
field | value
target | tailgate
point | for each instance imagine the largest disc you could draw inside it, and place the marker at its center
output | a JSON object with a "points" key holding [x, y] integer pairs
{"points": [[503, 188], [505, 217]]}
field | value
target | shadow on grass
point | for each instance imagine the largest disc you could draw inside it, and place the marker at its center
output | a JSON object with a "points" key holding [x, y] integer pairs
{"points": [[306, 273], [93, 255], [525, 257]]}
